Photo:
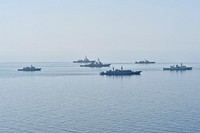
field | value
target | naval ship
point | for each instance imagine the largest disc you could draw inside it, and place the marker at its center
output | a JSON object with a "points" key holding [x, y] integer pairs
{"points": [[145, 62], [178, 68], [96, 64], [86, 60], [121, 72], [29, 69]]}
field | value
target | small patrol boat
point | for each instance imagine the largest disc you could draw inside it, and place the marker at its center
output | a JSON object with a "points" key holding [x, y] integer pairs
{"points": [[29, 69], [178, 68]]}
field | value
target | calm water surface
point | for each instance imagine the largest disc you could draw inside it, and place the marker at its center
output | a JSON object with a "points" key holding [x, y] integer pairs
{"points": [[66, 98]]}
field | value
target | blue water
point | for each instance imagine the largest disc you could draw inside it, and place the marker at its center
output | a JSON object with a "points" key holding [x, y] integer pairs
{"points": [[64, 97]]}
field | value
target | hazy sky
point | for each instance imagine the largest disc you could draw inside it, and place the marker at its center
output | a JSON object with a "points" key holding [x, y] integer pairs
{"points": [[113, 30]]}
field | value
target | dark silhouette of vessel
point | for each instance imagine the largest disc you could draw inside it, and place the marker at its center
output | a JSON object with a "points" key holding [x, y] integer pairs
{"points": [[178, 68], [29, 69], [145, 62], [121, 72], [96, 64], [86, 60]]}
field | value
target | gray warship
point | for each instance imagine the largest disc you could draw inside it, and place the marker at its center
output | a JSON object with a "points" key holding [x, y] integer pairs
{"points": [[29, 69], [86, 60], [117, 72], [96, 64], [178, 68], [145, 62]]}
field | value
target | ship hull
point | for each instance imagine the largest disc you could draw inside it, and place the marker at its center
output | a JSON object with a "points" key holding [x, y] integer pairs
{"points": [[178, 69], [103, 65], [29, 70], [145, 62], [111, 73], [83, 61]]}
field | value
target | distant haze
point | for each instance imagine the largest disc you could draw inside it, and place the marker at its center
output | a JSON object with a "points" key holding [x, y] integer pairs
{"points": [[112, 30]]}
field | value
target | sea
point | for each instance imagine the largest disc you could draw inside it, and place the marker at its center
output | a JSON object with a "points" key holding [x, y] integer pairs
{"points": [[66, 98]]}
